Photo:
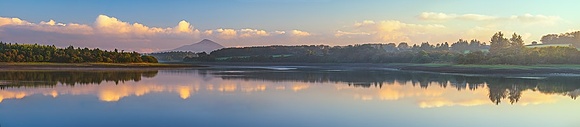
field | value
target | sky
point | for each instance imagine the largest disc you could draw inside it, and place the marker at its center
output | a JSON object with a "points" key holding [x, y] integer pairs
{"points": [[157, 25]]}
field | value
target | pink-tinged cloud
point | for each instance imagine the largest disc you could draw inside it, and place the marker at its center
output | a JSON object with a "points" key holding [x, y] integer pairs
{"points": [[390, 31], [109, 32], [253, 33], [12, 21], [299, 33], [112, 26], [349, 34], [444, 16], [227, 33], [279, 32], [525, 18], [250, 33], [208, 32], [106, 33]]}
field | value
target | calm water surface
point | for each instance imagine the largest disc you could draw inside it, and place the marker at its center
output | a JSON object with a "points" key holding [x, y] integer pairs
{"points": [[283, 97]]}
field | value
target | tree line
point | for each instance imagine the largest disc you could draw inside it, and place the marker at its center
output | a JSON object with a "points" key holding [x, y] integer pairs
{"points": [[173, 55], [512, 51], [564, 38], [501, 50], [44, 53], [364, 53]]}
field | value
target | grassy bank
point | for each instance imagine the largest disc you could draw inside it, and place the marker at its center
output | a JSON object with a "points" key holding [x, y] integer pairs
{"points": [[25, 65], [490, 69], [499, 66], [430, 67]]}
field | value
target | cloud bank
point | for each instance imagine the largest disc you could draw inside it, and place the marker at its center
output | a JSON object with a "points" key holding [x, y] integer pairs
{"points": [[109, 32], [436, 27], [389, 30], [525, 18]]}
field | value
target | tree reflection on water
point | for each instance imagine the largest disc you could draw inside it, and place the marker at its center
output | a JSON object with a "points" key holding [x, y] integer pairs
{"points": [[499, 87], [48, 78]]}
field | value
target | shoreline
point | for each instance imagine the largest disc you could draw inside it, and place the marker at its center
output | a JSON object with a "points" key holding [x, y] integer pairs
{"points": [[489, 71], [430, 67], [73, 66]]}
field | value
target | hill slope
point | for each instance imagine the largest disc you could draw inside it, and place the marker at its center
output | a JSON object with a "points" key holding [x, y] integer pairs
{"points": [[203, 46]]}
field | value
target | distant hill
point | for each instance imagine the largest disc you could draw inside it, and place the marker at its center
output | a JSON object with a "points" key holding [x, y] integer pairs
{"points": [[173, 56], [204, 45]]}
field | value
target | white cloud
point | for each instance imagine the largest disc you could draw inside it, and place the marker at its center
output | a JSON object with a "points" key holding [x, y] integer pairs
{"points": [[113, 26], [391, 30], [365, 22], [208, 32], [227, 33], [184, 27], [71, 28], [253, 33], [279, 32], [300, 33], [239, 33], [342, 33], [12, 21], [444, 16], [540, 19], [106, 32], [51, 22], [435, 16], [50, 26], [526, 18], [476, 17]]}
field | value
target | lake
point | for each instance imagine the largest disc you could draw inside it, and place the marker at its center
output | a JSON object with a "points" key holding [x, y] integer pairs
{"points": [[283, 97]]}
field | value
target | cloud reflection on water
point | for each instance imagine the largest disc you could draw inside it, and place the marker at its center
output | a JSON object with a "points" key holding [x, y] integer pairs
{"points": [[429, 94]]}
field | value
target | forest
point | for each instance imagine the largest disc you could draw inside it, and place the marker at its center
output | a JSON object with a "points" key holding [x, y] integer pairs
{"points": [[43, 53], [512, 51], [564, 38], [501, 50], [365, 53], [172, 56]]}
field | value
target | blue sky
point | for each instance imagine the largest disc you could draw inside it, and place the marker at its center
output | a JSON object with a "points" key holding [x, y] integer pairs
{"points": [[289, 22]]}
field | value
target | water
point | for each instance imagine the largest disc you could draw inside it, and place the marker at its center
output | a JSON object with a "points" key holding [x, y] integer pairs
{"points": [[269, 96]]}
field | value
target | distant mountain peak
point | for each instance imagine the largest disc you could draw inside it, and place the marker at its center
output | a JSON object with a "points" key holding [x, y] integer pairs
{"points": [[204, 45], [207, 41]]}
